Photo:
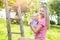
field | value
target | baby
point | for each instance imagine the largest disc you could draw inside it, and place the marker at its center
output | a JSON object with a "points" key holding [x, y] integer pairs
{"points": [[34, 20]]}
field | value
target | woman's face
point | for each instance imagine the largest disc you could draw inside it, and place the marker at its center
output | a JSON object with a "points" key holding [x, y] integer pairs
{"points": [[42, 13]]}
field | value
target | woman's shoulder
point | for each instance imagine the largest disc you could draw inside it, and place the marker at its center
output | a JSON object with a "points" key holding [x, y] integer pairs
{"points": [[42, 21]]}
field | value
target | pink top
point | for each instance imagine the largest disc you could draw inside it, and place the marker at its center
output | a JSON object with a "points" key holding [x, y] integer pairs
{"points": [[42, 32]]}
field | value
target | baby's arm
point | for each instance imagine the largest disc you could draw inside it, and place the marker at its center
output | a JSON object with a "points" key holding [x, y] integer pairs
{"points": [[36, 30]]}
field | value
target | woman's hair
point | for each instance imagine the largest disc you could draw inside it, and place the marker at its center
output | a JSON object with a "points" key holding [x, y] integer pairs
{"points": [[46, 14]]}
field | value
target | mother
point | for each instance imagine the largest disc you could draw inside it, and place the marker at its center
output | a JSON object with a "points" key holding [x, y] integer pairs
{"points": [[41, 28]]}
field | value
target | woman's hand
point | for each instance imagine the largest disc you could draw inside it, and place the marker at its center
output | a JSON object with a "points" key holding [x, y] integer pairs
{"points": [[37, 29]]}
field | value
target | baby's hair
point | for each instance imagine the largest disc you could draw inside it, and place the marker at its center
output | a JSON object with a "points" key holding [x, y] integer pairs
{"points": [[34, 14]]}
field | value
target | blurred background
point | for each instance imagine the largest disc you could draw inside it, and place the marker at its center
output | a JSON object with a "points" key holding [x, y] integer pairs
{"points": [[28, 7]]}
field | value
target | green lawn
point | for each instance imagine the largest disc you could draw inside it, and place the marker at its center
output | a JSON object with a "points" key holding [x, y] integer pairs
{"points": [[52, 34]]}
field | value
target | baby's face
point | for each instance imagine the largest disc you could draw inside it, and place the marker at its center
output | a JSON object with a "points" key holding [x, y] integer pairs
{"points": [[35, 17]]}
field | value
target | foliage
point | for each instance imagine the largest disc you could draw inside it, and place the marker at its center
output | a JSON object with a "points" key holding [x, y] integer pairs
{"points": [[28, 8], [54, 6], [1, 4], [26, 5], [52, 22], [35, 7]]}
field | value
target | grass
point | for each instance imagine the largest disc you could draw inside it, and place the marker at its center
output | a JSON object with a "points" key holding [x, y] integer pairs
{"points": [[52, 34]]}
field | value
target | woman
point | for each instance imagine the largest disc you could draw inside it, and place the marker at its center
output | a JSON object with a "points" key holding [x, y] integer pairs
{"points": [[41, 28]]}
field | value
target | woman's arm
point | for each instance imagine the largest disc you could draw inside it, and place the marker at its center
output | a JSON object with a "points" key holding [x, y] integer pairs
{"points": [[36, 30]]}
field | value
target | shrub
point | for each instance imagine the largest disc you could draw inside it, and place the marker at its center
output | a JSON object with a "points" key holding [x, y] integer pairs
{"points": [[52, 22]]}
